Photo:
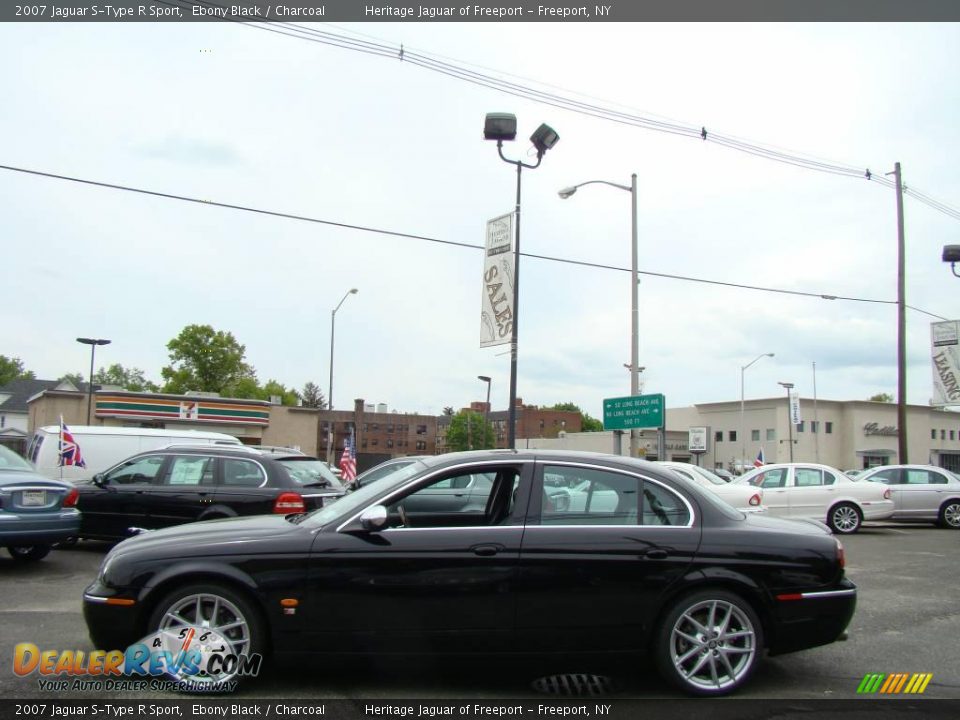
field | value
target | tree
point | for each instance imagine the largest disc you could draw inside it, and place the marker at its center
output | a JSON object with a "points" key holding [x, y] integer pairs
{"points": [[448, 411], [587, 423], [273, 388], [469, 431], [76, 379], [205, 359], [133, 379], [313, 396], [12, 369], [882, 397]]}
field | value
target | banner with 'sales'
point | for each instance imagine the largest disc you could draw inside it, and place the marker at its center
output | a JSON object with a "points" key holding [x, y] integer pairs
{"points": [[496, 308], [945, 351]]}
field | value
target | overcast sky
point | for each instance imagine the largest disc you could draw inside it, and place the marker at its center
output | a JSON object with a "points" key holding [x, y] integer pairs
{"points": [[237, 115]]}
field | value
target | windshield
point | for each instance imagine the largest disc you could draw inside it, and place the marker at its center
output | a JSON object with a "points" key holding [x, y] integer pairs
{"points": [[358, 499], [703, 472], [9, 460], [310, 471]]}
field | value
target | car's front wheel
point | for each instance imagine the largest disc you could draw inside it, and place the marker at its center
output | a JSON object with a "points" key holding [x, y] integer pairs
{"points": [[28, 553], [709, 643], [215, 613], [844, 519], [950, 515]]}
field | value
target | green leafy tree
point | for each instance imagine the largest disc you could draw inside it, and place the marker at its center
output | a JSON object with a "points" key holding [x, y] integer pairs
{"points": [[469, 431], [133, 379], [882, 397], [12, 369], [313, 396], [246, 388], [208, 360], [272, 387], [75, 378], [587, 423]]}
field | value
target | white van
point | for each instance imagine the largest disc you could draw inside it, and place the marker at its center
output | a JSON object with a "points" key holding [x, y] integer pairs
{"points": [[103, 447]]}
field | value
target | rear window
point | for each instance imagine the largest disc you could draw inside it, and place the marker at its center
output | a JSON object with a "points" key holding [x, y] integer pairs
{"points": [[9, 460], [310, 471]]}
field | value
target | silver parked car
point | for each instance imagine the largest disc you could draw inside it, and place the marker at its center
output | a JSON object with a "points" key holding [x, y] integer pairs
{"points": [[921, 493]]}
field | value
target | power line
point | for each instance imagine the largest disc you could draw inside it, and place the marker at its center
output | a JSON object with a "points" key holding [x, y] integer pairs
{"points": [[425, 238], [458, 70]]}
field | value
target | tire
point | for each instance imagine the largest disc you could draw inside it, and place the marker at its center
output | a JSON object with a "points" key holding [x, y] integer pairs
{"points": [[240, 619], [950, 515], [28, 553], [709, 657], [844, 518]]}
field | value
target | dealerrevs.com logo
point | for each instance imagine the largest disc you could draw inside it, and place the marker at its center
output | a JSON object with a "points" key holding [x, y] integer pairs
{"points": [[894, 683], [186, 658]]}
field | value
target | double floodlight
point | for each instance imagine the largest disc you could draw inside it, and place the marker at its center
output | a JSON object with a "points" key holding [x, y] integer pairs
{"points": [[503, 127]]}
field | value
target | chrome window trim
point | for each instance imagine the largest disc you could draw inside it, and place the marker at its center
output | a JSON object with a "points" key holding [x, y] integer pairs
{"points": [[439, 471], [827, 594], [604, 468]]}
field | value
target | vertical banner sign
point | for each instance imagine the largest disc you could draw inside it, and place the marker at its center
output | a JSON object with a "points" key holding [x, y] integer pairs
{"points": [[496, 308], [945, 351], [795, 407]]}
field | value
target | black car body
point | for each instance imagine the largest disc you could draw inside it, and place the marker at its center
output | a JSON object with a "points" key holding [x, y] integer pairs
{"points": [[181, 484], [668, 570]]}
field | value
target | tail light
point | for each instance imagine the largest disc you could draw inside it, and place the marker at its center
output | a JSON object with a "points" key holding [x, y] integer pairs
{"points": [[886, 493], [72, 497], [841, 555], [754, 500], [289, 502]]}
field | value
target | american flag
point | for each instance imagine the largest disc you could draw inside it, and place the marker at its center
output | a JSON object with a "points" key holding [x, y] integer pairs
{"points": [[69, 450], [348, 461], [759, 462]]}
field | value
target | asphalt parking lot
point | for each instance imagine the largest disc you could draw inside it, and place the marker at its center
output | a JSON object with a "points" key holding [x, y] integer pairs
{"points": [[906, 621]]}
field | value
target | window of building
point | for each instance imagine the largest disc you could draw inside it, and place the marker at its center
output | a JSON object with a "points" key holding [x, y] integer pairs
{"points": [[951, 434], [943, 434], [828, 427], [771, 434], [718, 436], [541, 426], [733, 435], [374, 426], [389, 442], [421, 445], [801, 426], [389, 427], [421, 429], [366, 427], [814, 426], [755, 435], [933, 434], [374, 442]]}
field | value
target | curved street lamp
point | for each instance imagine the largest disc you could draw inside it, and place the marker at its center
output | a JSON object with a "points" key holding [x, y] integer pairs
{"points": [[634, 366], [333, 318], [743, 439], [92, 342], [503, 127], [788, 386]]}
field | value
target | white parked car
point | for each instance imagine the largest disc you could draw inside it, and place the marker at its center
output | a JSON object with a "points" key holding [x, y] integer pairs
{"points": [[820, 492], [922, 493], [742, 497]]}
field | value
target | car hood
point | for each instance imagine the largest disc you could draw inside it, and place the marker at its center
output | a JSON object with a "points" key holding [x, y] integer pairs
{"points": [[202, 538], [801, 526]]}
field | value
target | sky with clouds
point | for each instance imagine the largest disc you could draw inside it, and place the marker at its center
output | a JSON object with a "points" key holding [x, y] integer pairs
{"points": [[236, 115]]}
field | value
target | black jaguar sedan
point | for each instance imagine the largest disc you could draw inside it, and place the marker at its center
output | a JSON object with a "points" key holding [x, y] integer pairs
{"points": [[637, 560]]}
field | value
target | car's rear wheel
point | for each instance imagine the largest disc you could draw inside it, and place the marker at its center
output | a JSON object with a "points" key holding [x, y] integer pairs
{"points": [[709, 643], [950, 515], [28, 553], [210, 607], [844, 518]]}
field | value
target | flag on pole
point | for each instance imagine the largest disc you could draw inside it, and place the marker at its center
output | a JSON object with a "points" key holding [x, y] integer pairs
{"points": [[759, 462], [348, 461], [69, 450]]}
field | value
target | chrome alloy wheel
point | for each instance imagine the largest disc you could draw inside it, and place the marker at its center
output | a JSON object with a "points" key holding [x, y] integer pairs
{"points": [[845, 519], [951, 515], [713, 645]]}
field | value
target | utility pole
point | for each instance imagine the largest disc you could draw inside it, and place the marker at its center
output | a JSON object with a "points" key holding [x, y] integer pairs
{"points": [[901, 325]]}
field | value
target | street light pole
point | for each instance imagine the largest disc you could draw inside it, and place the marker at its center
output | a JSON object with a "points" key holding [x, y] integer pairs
{"points": [[634, 291], [92, 342], [788, 386], [333, 319], [500, 127], [743, 439], [486, 408]]}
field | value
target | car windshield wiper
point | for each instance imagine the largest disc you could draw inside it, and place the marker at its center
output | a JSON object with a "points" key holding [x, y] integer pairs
{"points": [[296, 518], [322, 483]]}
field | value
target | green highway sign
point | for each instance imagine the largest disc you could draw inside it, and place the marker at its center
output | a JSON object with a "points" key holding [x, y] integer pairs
{"points": [[635, 411]]}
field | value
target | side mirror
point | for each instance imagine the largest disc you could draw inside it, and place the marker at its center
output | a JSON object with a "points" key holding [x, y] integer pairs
{"points": [[374, 518], [99, 481]]}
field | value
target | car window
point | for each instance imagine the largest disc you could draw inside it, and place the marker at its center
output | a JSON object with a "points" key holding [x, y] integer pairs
{"points": [[190, 470], [591, 497], [807, 477], [774, 478], [140, 471], [663, 507], [242, 473], [310, 471], [890, 476], [916, 476], [9, 460], [462, 499]]}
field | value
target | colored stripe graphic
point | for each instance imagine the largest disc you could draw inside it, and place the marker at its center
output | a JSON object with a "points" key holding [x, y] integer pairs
{"points": [[894, 683]]}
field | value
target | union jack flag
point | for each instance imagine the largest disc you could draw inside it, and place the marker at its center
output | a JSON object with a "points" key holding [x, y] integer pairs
{"points": [[69, 450], [348, 461]]}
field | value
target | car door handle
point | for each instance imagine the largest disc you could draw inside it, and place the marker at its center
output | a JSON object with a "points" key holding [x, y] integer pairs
{"points": [[655, 554], [486, 550]]}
